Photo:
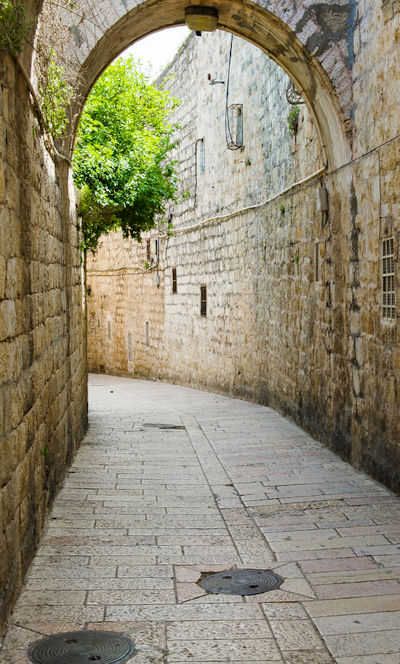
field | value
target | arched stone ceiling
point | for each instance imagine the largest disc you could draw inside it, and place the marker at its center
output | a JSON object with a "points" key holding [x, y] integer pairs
{"points": [[312, 41]]}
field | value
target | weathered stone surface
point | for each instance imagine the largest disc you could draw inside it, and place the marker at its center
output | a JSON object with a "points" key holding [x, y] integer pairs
{"points": [[42, 356]]}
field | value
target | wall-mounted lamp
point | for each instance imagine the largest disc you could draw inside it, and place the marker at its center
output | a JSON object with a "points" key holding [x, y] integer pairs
{"points": [[322, 199], [214, 81], [201, 19]]}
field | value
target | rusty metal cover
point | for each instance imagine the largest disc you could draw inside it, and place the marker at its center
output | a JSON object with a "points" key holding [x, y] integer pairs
{"points": [[241, 582], [82, 647]]}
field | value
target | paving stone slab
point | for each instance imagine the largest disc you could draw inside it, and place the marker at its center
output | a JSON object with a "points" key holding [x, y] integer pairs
{"points": [[296, 635], [338, 607], [307, 657], [369, 659], [223, 629], [189, 611], [284, 611], [142, 633], [360, 622], [346, 645], [365, 589], [218, 650]]}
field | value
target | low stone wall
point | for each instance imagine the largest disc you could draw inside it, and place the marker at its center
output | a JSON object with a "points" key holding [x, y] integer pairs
{"points": [[43, 380]]}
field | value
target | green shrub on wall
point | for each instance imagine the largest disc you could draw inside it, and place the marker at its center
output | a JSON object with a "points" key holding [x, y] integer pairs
{"points": [[55, 94], [14, 25], [293, 120]]}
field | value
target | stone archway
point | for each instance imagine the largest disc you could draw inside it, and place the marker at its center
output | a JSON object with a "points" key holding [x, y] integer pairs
{"points": [[311, 43]]}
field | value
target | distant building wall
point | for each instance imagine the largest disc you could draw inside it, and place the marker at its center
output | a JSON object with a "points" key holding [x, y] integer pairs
{"points": [[295, 297]]}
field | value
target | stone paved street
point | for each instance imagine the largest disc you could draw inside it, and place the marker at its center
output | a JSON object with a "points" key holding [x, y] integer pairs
{"points": [[170, 483]]}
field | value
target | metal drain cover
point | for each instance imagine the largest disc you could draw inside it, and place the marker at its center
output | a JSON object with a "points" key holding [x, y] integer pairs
{"points": [[82, 647], [158, 425], [241, 582]]}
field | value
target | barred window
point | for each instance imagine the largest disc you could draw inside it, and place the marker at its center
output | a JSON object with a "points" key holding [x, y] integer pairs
{"points": [[203, 300], [388, 281], [174, 281]]}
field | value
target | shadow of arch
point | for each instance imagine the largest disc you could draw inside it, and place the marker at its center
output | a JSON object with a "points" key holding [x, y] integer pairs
{"points": [[244, 19]]}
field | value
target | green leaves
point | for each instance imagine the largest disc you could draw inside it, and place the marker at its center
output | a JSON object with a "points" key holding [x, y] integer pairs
{"points": [[293, 120], [55, 94], [120, 161], [14, 26]]}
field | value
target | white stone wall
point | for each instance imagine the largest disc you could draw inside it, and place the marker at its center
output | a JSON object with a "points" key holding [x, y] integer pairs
{"points": [[232, 258]]}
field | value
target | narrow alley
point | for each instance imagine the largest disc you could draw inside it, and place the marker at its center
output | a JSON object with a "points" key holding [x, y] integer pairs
{"points": [[172, 483]]}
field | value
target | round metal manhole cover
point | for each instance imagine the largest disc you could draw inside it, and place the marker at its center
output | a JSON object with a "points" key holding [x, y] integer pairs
{"points": [[82, 648], [241, 582]]}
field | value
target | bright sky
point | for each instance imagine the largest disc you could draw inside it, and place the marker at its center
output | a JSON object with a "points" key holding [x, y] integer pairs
{"points": [[158, 49]]}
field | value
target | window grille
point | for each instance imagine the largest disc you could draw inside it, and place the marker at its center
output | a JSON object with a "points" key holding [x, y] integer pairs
{"points": [[388, 280], [174, 281], [148, 250], [203, 300]]}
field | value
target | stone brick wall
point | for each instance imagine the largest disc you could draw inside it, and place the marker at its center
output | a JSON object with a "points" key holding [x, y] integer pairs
{"points": [[42, 332], [251, 264], [294, 314]]}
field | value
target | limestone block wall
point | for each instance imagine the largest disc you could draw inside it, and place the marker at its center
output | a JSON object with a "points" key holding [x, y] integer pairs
{"points": [[248, 263], [42, 331], [294, 297], [125, 321]]}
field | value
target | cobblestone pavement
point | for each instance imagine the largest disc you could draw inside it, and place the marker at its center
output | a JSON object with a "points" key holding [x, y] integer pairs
{"points": [[171, 483]]}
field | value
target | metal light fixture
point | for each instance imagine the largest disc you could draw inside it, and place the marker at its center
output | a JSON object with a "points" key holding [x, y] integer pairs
{"points": [[201, 19]]}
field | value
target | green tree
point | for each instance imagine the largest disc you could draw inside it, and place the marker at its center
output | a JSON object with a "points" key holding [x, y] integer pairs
{"points": [[121, 164]]}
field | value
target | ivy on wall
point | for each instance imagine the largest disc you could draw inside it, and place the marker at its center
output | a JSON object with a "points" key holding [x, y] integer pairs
{"points": [[14, 25]]}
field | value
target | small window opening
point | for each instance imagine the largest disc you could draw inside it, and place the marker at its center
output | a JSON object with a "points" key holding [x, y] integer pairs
{"points": [[148, 250], [109, 330], [174, 281], [203, 300], [234, 122], [147, 333], [317, 261], [388, 281], [201, 158]]}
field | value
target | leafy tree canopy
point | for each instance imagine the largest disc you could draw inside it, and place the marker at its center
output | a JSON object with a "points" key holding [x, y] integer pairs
{"points": [[120, 161]]}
